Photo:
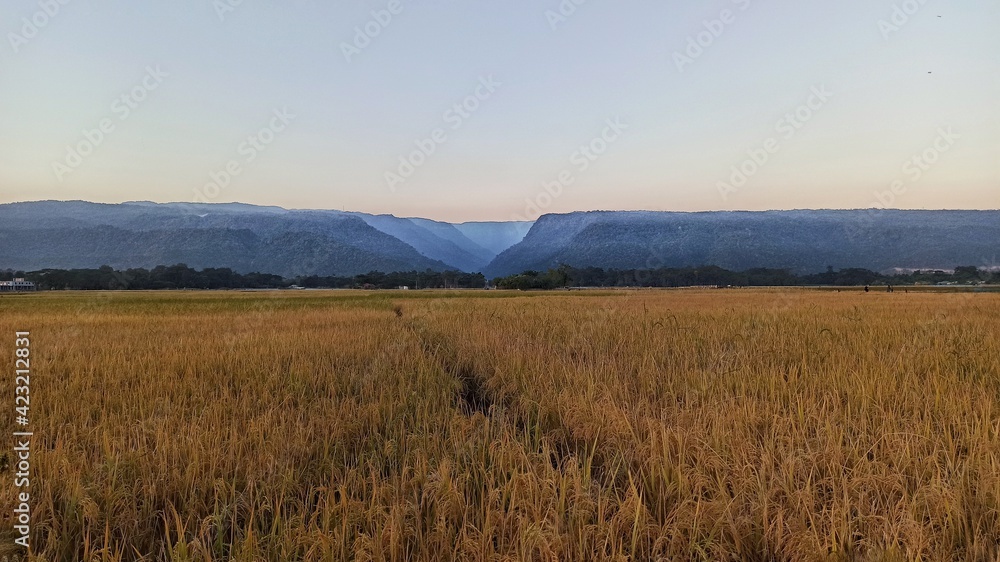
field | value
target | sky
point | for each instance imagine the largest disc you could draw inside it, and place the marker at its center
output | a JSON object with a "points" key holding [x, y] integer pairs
{"points": [[463, 111]]}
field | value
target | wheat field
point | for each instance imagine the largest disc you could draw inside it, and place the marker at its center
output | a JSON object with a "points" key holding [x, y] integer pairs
{"points": [[621, 425]]}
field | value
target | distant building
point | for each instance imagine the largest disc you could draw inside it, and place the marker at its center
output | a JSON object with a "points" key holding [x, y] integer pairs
{"points": [[16, 286]]}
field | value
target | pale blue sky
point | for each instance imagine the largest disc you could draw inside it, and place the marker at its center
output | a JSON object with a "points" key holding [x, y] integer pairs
{"points": [[347, 123]]}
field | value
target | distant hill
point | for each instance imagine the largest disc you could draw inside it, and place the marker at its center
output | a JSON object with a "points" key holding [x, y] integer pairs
{"points": [[441, 241], [247, 238], [495, 236], [802, 241], [77, 234], [469, 246]]}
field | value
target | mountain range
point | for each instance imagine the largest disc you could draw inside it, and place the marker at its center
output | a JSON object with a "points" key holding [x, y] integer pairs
{"points": [[77, 234], [801, 241]]}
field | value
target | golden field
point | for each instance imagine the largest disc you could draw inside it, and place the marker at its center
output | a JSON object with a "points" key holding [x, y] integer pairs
{"points": [[623, 425]]}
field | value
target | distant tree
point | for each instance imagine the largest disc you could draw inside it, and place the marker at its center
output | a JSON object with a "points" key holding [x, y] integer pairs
{"points": [[967, 273]]}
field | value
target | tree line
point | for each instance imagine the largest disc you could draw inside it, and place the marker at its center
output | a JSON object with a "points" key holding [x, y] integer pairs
{"points": [[565, 276], [180, 276], [428, 279]]}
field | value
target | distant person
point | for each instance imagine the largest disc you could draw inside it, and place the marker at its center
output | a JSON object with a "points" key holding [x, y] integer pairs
{"points": [[888, 288], [866, 288]]}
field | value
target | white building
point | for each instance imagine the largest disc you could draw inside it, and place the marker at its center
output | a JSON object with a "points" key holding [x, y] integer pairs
{"points": [[17, 285]]}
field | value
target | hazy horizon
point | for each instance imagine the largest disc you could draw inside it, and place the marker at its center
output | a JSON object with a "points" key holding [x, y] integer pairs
{"points": [[512, 219], [489, 113]]}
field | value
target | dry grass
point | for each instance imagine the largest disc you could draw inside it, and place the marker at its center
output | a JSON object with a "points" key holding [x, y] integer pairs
{"points": [[671, 425]]}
